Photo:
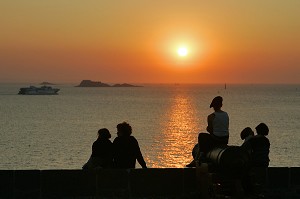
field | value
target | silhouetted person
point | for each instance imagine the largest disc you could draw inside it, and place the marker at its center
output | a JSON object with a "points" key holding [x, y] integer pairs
{"points": [[102, 151], [217, 127], [260, 146], [218, 122], [126, 148], [246, 135]]}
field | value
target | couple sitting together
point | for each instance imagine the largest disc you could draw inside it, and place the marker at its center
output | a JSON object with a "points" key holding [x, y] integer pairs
{"points": [[121, 153], [218, 135]]}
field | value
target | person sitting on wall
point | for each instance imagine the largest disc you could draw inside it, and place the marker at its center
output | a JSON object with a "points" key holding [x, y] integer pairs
{"points": [[260, 146], [246, 134], [218, 122], [126, 148], [217, 127], [102, 152]]}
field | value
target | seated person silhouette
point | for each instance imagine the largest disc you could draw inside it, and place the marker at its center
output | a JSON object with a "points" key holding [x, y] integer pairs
{"points": [[126, 148], [102, 152], [246, 134], [218, 129]]}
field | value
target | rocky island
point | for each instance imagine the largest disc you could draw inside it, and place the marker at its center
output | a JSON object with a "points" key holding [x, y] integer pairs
{"points": [[89, 83]]}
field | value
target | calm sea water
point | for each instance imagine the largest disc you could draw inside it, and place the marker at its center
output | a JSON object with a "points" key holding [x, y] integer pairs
{"points": [[56, 132]]}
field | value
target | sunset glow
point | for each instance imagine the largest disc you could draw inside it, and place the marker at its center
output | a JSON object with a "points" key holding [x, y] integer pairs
{"points": [[180, 122], [141, 41]]}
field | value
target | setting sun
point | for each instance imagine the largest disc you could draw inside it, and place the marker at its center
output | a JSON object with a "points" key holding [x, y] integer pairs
{"points": [[182, 51]]}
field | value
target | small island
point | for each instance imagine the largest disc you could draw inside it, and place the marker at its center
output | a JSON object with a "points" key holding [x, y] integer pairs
{"points": [[90, 83]]}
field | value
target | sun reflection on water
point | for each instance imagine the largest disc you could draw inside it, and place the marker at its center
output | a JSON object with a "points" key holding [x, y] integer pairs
{"points": [[179, 134]]}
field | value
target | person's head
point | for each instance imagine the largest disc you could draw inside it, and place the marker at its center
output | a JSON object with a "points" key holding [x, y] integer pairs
{"points": [[104, 133], [217, 103], [124, 129], [246, 132], [262, 129]]}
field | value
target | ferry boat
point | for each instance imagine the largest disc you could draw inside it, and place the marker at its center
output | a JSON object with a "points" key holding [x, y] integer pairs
{"points": [[43, 90]]}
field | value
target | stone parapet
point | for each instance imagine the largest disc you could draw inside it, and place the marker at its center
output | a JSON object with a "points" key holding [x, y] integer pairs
{"points": [[280, 182]]}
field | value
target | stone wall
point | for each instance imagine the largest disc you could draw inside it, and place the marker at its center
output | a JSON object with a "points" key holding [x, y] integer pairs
{"points": [[134, 183]]}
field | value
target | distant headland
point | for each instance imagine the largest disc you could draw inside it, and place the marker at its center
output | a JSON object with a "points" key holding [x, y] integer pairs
{"points": [[89, 83]]}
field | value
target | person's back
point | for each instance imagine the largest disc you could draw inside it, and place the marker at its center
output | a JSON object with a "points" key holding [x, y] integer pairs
{"points": [[103, 150], [260, 151], [126, 149], [217, 127], [260, 146], [246, 135], [218, 122]]}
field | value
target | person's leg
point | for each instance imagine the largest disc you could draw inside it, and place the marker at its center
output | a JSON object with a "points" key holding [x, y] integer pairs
{"points": [[206, 144]]}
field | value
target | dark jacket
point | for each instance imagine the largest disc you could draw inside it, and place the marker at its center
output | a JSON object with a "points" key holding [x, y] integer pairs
{"points": [[126, 152], [260, 148], [102, 149]]}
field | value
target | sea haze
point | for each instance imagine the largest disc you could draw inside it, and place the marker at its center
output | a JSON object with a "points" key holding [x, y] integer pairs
{"points": [[56, 132]]}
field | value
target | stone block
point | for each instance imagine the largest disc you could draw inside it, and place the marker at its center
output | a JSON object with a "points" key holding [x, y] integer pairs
{"points": [[189, 180], [112, 183], [156, 182], [278, 177], [6, 184], [259, 175], [295, 176], [68, 183], [27, 184]]}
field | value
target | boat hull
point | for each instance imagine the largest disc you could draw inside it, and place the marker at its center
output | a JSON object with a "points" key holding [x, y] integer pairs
{"points": [[44, 90]]}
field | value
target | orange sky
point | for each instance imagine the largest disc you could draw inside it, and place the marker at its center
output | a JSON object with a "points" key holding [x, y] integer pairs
{"points": [[136, 41]]}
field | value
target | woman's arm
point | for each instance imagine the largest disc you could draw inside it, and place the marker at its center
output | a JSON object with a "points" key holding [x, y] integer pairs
{"points": [[210, 120]]}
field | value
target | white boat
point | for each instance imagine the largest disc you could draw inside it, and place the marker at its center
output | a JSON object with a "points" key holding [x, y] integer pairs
{"points": [[44, 90]]}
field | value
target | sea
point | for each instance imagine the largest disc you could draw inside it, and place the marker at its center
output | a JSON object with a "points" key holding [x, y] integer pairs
{"points": [[57, 131]]}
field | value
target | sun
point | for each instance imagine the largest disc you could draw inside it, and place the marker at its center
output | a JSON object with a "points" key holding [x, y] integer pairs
{"points": [[182, 51]]}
